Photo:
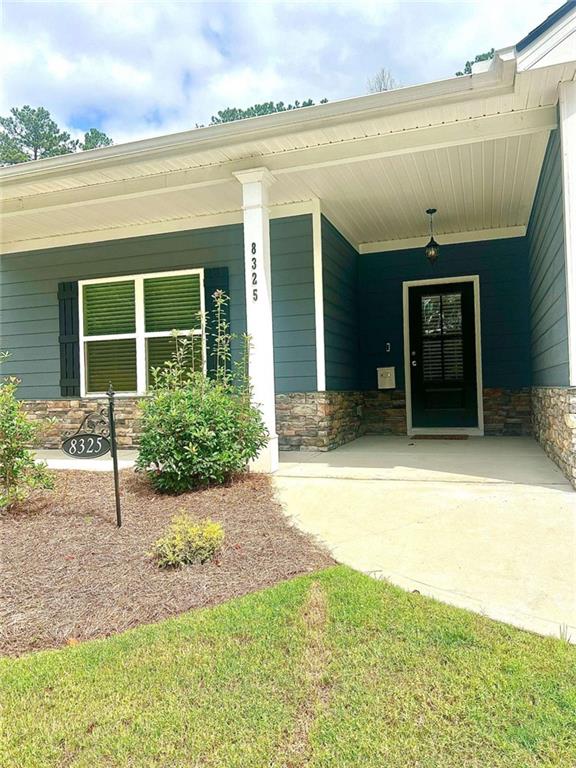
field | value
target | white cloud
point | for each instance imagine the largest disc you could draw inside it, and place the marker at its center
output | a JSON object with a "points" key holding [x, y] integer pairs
{"points": [[137, 69]]}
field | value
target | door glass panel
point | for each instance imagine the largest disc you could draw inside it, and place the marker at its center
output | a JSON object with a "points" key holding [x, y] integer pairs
{"points": [[442, 347], [431, 315], [451, 313]]}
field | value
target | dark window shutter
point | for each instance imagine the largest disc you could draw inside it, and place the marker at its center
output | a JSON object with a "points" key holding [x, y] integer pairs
{"points": [[69, 340], [214, 279]]}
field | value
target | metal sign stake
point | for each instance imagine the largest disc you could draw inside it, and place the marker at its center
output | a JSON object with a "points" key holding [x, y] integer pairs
{"points": [[95, 437], [114, 451]]}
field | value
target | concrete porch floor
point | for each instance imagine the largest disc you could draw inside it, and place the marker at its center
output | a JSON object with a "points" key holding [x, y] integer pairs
{"points": [[487, 524]]}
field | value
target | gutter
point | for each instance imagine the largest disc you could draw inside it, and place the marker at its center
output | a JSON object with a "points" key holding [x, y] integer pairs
{"points": [[499, 78]]}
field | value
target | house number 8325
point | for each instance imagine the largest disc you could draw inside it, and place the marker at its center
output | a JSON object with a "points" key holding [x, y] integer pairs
{"points": [[254, 273]]}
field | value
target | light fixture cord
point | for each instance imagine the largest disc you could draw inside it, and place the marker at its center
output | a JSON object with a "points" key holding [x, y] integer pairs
{"points": [[431, 230]]}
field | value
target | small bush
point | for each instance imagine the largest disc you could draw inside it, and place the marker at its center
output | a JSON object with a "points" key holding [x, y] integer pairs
{"points": [[187, 541], [19, 473], [195, 430]]}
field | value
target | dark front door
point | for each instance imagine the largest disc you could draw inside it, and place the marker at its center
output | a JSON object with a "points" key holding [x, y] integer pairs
{"points": [[443, 355]]}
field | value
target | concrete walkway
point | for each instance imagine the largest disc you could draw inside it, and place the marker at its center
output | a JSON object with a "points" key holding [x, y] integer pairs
{"points": [[488, 524]]}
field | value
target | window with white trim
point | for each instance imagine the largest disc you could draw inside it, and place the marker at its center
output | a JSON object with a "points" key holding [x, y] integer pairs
{"points": [[127, 324]]}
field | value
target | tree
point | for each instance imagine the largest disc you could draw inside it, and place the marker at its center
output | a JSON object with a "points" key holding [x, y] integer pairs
{"points": [[31, 134], [479, 57], [382, 81], [230, 114], [93, 139]]}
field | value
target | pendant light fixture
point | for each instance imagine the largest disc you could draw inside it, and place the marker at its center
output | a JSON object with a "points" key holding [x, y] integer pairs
{"points": [[432, 249]]}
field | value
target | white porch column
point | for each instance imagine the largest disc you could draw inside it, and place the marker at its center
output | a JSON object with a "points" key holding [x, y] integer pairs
{"points": [[257, 274], [568, 141]]}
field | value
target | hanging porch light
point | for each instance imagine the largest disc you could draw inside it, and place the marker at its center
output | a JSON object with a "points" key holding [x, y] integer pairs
{"points": [[432, 250]]}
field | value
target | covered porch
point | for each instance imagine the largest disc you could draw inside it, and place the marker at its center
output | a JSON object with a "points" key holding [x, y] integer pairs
{"points": [[315, 221]]}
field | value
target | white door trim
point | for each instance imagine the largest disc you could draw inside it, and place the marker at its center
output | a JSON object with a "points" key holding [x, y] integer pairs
{"points": [[479, 430]]}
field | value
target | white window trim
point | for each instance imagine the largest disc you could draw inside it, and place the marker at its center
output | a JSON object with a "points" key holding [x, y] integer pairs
{"points": [[472, 431], [140, 335]]}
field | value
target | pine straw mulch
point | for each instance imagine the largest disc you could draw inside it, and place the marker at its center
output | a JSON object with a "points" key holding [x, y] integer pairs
{"points": [[68, 574]]}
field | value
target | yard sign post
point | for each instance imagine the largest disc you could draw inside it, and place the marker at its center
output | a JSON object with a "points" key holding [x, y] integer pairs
{"points": [[112, 424], [96, 436]]}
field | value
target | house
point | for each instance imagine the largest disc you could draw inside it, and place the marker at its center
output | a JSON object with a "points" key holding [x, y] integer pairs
{"points": [[315, 222]]}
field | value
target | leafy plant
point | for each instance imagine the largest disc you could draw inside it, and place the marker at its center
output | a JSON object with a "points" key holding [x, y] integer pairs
{"points": [[30, 133], [486, 56], [230, 114], [20, 474], [199, 430], [187, 541]]}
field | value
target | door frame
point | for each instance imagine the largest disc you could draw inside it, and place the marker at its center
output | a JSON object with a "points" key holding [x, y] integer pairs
{"points": [[473, 431]]}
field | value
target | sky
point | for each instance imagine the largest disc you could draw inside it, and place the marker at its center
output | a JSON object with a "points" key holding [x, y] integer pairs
{"points": [[134, 68]]}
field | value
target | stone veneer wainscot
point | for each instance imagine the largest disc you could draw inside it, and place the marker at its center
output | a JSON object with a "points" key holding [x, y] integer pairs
{"points": [[305, 421], [554, 423]]}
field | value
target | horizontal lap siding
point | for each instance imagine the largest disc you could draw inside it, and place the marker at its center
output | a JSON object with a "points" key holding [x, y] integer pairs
{"points": [[547, 271], [340, 286], [503, 269], [29, 325], [293, 304]]}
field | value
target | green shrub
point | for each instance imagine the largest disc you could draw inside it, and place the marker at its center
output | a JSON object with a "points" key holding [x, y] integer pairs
{"points": [[19, 473], [187, 541], [195, 430]]}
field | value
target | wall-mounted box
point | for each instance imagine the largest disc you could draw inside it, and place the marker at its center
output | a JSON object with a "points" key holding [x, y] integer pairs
{"points": [[386, 377]]}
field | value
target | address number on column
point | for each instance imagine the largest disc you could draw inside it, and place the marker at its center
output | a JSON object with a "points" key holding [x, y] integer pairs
{"points": [[254, 265]]}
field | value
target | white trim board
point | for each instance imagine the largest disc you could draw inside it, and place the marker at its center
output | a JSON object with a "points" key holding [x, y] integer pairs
{"points": [[318, 297], [472, 431], [139, 335], [554, 45], [568, 149], [450, 238]]}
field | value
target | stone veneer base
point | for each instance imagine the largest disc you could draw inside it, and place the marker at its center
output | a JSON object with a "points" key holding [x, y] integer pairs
{"points": [[554, 424], [306, 421], [66, 415]]}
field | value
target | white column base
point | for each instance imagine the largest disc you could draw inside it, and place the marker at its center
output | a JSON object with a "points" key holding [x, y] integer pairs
{"points": [[267, 459]]}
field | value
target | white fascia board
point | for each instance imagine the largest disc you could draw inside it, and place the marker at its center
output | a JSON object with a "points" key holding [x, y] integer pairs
{"points": [[554, 46], [448, 238], [499, 76]]}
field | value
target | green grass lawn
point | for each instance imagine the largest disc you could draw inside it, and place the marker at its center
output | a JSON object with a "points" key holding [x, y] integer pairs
{"points": [[332, 669]]}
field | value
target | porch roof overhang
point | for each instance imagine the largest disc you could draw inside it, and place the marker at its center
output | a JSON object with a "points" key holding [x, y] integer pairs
{"points": [[472, 147]]}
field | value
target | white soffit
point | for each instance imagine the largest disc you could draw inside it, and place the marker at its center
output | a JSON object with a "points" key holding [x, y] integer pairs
{"points": [[375, 170], [477, 187]]}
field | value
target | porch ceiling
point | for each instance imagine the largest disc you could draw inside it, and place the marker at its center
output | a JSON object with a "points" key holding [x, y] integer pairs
{"points": [[471, 147]]}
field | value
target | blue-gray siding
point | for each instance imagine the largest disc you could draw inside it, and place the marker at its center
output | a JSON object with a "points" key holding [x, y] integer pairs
{"points": [[503, 269], [548, 311], [293, 304], [340, 284], [29, 302]]}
